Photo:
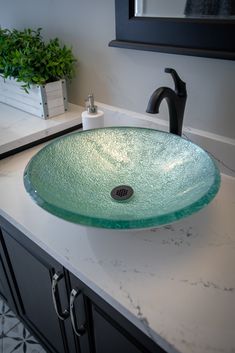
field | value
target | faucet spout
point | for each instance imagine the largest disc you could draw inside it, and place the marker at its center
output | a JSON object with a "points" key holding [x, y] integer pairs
{"points": [[157, 97], [176, 101]]}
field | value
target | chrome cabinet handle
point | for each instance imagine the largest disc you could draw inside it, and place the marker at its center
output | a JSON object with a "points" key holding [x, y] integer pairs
{"points": [[62, 315], [79, 331]]}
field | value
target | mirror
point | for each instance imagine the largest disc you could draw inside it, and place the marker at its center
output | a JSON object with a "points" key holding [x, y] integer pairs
{"points": [[220, 9], [194, 32], [159, 8]]}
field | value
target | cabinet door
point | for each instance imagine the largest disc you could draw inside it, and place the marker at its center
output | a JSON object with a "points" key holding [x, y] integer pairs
{"points": [[32, 271], [111, 338]]}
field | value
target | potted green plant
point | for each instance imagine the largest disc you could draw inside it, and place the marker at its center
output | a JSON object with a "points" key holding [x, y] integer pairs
{"points": [[33, 72]]}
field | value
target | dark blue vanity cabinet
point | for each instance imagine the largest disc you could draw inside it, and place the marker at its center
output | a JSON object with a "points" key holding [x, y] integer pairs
{"points": [[58, 308]]}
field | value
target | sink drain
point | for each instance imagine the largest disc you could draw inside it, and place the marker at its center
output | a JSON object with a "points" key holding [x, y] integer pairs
{"points": [[122, 192]]}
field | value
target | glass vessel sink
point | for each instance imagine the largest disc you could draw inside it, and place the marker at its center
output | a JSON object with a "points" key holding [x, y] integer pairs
{"points": [[122, 178]]}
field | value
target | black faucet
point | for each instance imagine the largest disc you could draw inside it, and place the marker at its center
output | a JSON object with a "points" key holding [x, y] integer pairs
{"points": [[176, 101]]}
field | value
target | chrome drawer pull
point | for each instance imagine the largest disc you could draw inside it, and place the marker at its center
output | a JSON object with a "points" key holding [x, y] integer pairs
{"points": [[79, 331], [62, 315]]}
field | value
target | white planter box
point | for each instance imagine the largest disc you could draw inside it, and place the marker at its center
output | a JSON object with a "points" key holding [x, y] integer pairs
{"points": [[44, 101]]}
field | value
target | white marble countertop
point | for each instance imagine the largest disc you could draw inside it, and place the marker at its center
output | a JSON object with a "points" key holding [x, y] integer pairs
{"points": [[18, 128], [177, 283]]}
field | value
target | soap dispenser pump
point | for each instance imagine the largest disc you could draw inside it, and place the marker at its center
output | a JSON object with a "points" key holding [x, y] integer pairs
{"points": [[92, 118]]}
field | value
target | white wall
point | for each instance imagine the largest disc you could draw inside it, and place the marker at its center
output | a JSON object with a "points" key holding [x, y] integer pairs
{"points": [[126, 78]]}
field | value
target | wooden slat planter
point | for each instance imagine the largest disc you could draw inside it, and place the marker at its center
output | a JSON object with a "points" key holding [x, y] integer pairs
{"points": [[44, 101]]}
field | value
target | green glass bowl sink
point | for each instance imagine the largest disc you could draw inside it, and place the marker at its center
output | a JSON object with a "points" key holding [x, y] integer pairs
{"points": [[122, 178]]}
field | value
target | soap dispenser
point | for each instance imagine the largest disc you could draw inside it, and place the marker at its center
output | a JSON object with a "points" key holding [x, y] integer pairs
{"points": [[92, 118]]}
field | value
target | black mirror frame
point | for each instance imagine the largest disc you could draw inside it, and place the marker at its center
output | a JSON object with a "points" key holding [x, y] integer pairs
{"points": [[214, 38]]}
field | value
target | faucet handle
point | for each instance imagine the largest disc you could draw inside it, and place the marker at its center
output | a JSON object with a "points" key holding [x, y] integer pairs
{"points": [[180, 86]]}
